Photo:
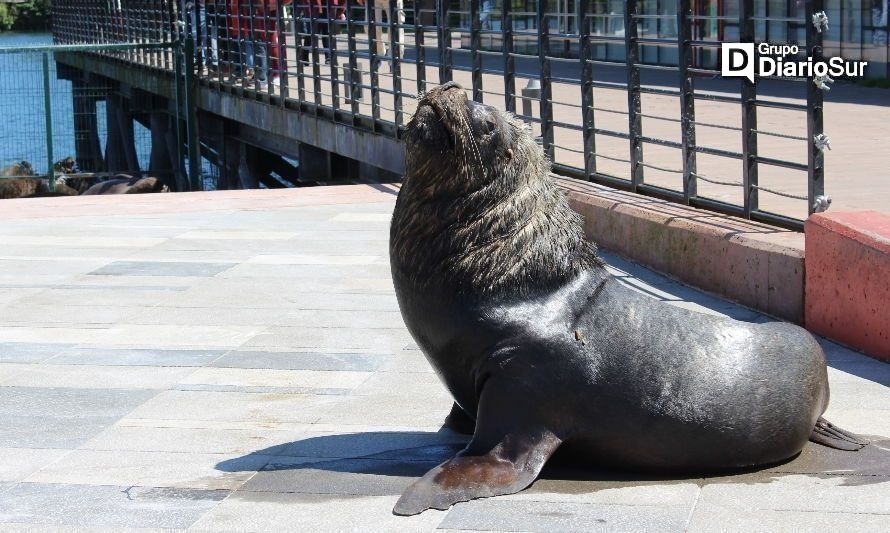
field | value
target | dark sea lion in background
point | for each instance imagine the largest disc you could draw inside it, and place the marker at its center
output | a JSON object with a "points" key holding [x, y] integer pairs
{"points": [[544, 349], [127, 185], [23, 187]]}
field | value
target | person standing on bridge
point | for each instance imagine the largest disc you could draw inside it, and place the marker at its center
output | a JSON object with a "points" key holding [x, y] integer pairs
{"points": [[266, 38], [321, 11], [381, 8]]}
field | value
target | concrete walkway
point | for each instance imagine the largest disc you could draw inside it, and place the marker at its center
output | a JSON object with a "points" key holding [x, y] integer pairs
{"points": [[237, 361]]}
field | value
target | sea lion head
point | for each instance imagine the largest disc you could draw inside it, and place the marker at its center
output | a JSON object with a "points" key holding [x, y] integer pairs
{"points": [[467, 144], [478, 213]]}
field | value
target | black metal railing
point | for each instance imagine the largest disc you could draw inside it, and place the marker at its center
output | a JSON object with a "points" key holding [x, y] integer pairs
{"points": [[628, 94]]}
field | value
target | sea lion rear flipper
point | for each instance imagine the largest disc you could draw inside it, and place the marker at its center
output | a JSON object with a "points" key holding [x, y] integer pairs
{"points": [[506, 455], [827, 434]]}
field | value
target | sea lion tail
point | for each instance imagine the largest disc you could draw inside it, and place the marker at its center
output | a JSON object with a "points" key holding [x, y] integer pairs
{"points": [[827, 434]]}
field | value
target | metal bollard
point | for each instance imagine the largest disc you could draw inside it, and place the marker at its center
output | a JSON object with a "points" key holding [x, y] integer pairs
{"points": [[531, 92]]}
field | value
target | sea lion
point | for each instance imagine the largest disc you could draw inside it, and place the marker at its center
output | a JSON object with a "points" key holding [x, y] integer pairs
{"points": [[541, 348], [124, 184], [24, 187]]}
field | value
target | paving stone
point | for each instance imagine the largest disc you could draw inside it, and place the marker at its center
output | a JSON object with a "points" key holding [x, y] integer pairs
{"points": [[69, 402], [104, 506], [263, 377], [269, 408], [79, 241], [204, 316], [147, 268], [92, 377], [423, 446], [30, 352], [709, 517], [151, 469], [805, 493], [50, 431], [361, 340], [24, 314], [315, 259], [174, 336], [502, 515], [44, 335], [100, 355], [318, 272], [248, 511], [342, 319], [193, 440], [363, 477], [301, 361], [19, 463]]}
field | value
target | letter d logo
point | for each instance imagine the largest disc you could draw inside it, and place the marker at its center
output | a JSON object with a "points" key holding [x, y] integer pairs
{"points": [[737, 60]]}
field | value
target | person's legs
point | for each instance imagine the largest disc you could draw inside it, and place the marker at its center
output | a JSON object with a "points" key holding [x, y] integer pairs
{"points": [[380, 7]]}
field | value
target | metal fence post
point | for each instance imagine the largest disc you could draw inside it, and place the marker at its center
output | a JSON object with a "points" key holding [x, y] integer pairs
{"points": [[634, 103], [587, 114], [815, 156], [687, 99], [375, 62], [749, 117], [475, 45], [419, 47], [445, 74], [546, 88], [395, 29], [48, 118], [509, 61], [355, 75], [191, 117]]}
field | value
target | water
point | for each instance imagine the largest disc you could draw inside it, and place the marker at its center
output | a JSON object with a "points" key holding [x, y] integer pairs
{"points": [[22, 108]]}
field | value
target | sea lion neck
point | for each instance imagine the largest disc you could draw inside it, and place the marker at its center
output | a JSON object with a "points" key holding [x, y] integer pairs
{"points": [[513, 238]]}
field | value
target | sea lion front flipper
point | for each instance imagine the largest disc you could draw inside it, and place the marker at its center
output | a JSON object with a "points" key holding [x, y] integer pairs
{"points": [[508, 451]]}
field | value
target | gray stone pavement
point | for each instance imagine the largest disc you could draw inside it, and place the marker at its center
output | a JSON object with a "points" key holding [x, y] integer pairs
{"points": [[243, 368]]}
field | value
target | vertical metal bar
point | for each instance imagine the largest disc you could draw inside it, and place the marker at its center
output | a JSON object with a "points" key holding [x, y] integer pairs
{"points": [[634, 103], [509, 60], [475, 45], [332, 57], [354, 89], [375, 62], [749, 116], [316, 69], [300, 38], [546, 88], [48, 118], [815, 157], [191, 117], [283, 75], [395, 29], [419, 47], [445, 74], [687, 99], [587, 114]]}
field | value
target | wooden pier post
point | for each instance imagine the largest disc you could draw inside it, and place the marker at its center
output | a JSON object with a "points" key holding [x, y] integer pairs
{"points": [[87, 149]]}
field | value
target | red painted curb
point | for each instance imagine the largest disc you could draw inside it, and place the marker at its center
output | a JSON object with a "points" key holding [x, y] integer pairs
{"points": [[848, 279]]}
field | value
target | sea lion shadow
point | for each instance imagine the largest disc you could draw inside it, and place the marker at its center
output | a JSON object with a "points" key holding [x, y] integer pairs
{"points": [[388, 462]]}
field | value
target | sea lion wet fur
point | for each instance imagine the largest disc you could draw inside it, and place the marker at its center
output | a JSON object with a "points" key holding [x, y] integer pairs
{"points": [[541, 348]]}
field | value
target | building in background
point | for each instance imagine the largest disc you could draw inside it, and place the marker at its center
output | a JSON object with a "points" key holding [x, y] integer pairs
{"points": [[858, 29]]}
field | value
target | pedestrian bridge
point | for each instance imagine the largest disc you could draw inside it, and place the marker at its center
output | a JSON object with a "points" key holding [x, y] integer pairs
{"points": [[275, 94]]}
